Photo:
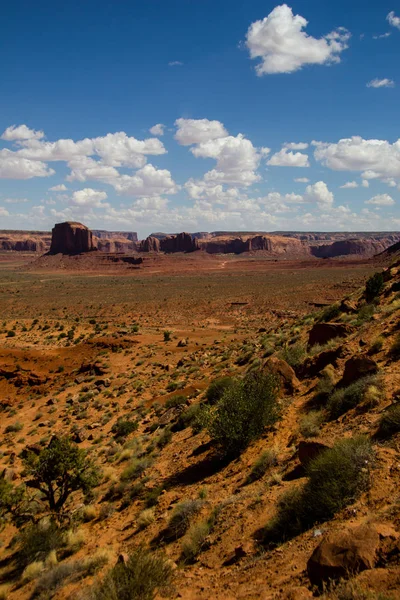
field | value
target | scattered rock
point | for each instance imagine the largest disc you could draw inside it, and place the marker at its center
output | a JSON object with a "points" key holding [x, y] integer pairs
{"points": [[313, 365], [287, 376], [321, 333], [182, 343], [8, 474], [343, 553], [356, 368]]}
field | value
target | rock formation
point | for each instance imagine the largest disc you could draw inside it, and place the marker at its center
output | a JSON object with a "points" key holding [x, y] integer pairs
{"points": [[150, 244], [71, 238], [183, 242]]}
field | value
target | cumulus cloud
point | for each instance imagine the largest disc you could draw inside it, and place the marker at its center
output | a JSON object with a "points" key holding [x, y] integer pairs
{"points": [[302, 180], [375, 158], [393, 20], [198, 131], [295, 145], [381, 200], [380, 83], [3, 212], [15, 200], [349, 185], [320, 194], [157, 129], [58, 188], [148, 181], [283, 46], [21, 132], [287, 158], [365, 183], [13, 166], [89, 198]]}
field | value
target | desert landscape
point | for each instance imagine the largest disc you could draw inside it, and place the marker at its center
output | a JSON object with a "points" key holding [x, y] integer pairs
{"points": [[132, 365]]}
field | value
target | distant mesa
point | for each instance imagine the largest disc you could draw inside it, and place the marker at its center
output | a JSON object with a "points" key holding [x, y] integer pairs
{"points": [[150, 244], [71, 238]]}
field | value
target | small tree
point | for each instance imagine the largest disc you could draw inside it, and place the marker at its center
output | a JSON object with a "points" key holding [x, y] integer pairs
{"points": [[59, 470], [243, 412], [374, 286]]}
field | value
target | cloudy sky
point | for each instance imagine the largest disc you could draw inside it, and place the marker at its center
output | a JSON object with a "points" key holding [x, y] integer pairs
{"points": [[200, 115]]}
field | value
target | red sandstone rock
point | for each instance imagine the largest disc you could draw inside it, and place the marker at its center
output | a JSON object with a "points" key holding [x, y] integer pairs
{"points": [[150, 244], [71, 238]]}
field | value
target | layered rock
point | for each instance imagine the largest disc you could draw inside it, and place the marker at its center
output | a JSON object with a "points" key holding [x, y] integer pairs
{"points": [[71, 238], [110, 235], [150, 244], [183, 242]]}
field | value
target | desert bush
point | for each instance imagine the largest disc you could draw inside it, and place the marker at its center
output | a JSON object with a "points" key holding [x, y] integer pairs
{"points": [[376, 345], [167, 335], [32, 571], [294, 355], [11, 333], [343, 399], [35, 542], [186, 418], [351, 590], [395, 348], [74, 539], [4, 591], [143, 574], [265, 461], [329, 313], [164, 438], [59, 470], [310, 424], [174, 401], [194, 541], [145, 518], [14, 427], [374, 286], [389, 423], [336, 478], [123, 427], [365, 314], [179, 522], [136, 468], [243, 412], [152, 496]]}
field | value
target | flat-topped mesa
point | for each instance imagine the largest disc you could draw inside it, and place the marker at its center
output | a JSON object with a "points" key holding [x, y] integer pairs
{"points": [[71, 238]]}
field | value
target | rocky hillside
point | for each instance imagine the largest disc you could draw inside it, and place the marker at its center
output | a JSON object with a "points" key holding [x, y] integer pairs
{"points": [[266, 466]]}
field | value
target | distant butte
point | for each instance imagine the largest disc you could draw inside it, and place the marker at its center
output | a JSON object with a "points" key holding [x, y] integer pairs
{"points": [[71, 238]]}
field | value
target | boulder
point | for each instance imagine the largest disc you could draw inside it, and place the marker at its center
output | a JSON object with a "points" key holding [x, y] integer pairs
{"points": [[287, 377], [342, 554], [308, 450], [321, 333], [313, 365], [357, 367], [71, 238], [150, 244]]}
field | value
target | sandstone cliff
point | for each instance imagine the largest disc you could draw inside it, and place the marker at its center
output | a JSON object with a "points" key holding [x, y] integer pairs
{"points": [[71, 238]]}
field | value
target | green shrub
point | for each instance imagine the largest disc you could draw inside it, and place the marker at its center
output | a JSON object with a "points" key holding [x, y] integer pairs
{"points": [[14, 427], [194, 541], [136, 468], [294, 355], [186, 418], [123, 427], [310, 424], [217, 388], [374, 286], [139, 579], [179, 522], [11, 333], [365, 313], [174, 401], [336, 478], [243, 412], [265, 461], [330, 313], [389, 423], [167, 335], [343, 399], [35, 542]]}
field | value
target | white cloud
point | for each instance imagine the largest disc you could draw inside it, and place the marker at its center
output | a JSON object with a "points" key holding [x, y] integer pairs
{"points": [[197, 131], [320, 194], [382, 36], [3, 212], [349, 185], [286, 158], [175, 63], [58, 188], [13, 166], [381, 200], [302, 180], [365, 183], [86, 168], [380, 83], [237, 160], [157, 129], [89, 198], [375, 158], [148, 181], [15, 200], [393, 20], [295, 145], [21, 132], [283, 47]]}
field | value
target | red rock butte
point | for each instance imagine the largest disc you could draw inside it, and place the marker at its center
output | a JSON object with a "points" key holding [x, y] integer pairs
{"points": [[71, 238]]}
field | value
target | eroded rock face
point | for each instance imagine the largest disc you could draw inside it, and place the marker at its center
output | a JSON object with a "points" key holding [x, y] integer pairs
{"points": [[71, 238], [150, 244], [356, 368], [343, 553], [321, 333], [285, 373], [183, 242]]}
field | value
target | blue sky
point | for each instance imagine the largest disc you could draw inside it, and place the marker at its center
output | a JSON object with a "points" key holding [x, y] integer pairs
{"points": [[248, 99]]}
